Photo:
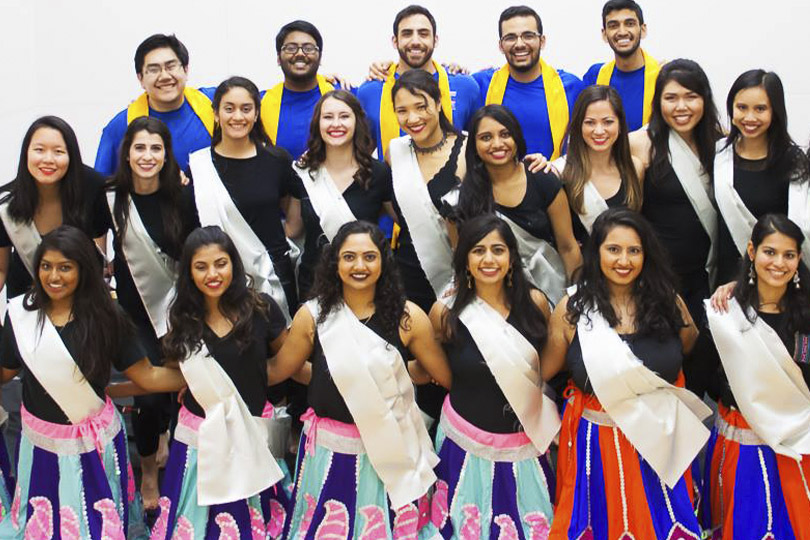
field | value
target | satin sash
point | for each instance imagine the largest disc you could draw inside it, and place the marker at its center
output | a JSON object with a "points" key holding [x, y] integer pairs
{"points": [[427, 227], [698, 188], [50, 362], [153, 272], [541, 262], [767, 384], [556, 102], [515, 364], [198, 101], [662, 421], [651, 69], [593, 204], [332, 209], [233, 460], [389, 125], [215, 207], [739, 219], [271, 105], [374, 382], [24, 236]]}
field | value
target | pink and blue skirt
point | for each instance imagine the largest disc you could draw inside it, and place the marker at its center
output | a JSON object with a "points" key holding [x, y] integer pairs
{"points": [[749, 490], [491, 485], [7, 481], [74, 481], [338, 495]]}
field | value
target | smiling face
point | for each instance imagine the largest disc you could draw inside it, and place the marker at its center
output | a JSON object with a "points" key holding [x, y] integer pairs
{"points": [[600, 127], [752, 112], [494, 143], [48, 159], [359, 262], [163, 78], [489, 260], [776, 260], [146, 155], [621, 256], [211, 270], [299, 66], [622, 32], [417, 114], [237, 113], [681, 108], [523, 54], [58, 275], [337, 122], [415, 41]]}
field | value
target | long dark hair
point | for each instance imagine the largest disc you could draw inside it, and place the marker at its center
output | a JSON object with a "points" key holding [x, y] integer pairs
{"points": [[577, 170], [257, 134], [23, 197], [100, 327], [784, 156], [475, 196], [528, 316], [707, 132], [657, 311], [188, 309], [419, 80], [362, 143], [389, 297], [170, 187], [795, 302]]}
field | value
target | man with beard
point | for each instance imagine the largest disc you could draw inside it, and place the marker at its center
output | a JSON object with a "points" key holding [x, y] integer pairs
{"points": [[539, 96], [415, 38], [161, 64], [287, 107], [632, 72]]}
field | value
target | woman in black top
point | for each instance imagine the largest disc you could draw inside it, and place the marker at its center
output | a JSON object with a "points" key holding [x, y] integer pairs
{"points": [[148, 177], [338, 152]]}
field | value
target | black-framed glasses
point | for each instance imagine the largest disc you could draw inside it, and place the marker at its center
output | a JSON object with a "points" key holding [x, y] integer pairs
{"points": [[528, 37], [307, 48]]}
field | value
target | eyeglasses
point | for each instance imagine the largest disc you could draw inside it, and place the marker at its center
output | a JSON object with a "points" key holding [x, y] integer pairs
{"points": [[307, 48], [511, 39], [172, 67]]}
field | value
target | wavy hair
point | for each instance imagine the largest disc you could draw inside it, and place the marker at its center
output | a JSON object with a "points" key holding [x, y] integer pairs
{"points": [[389, 296], [653, 292], [188, 309]]}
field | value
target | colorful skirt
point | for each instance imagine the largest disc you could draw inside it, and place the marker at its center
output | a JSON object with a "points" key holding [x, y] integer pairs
{"points": [[338, 494], [606, 490], [74, 481], [749, 490], [491, 485], [181, 518], [7, 481]]}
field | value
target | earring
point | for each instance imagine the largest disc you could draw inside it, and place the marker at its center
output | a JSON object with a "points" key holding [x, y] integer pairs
{"points": [[752, 274], [796, 280], [509, 276], [469, 280]]}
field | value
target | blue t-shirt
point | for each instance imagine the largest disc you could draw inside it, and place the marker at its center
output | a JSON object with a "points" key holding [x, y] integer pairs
{"points": [[630, 86], [528, 103], [188, 135], [464, 95]]}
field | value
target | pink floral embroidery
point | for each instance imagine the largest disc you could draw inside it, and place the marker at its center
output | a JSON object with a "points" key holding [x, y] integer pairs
{"points": [[374, 524], [439, 510], [111, 526], [471, 529], [40, 525], [69, 527], [228, 529], [306, 521], [159, 530], [335, 524], [275, 527], [406, 523], [507, 531], [184, 529], [538, 525]]}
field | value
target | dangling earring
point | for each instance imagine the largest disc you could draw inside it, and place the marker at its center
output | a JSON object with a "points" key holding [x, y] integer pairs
{"points": [[796, 280], [752, 274], [509, 276], [469, 279]]}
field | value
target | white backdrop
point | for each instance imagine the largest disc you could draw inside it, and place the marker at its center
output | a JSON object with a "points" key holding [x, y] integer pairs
{"points": [[75, 58]]}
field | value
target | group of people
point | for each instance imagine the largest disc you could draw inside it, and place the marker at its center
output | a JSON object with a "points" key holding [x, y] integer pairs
{"points": [[524, 355]]}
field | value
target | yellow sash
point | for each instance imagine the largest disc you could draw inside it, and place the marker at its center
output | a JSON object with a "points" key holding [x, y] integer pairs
{"points": [[556, 102], [199, 102], [651, 69], [389, 126], [271, 105]]}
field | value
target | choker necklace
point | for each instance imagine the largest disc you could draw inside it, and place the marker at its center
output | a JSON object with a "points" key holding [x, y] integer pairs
{"points": [[430, 149]]}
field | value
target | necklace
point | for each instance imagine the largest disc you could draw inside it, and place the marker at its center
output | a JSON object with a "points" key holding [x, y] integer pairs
{"points": [[430, 149]]}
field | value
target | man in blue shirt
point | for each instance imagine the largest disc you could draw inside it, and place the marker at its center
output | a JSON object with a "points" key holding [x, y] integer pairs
{"points": [[632, 72], [161, 64], [541, 97], [287, 107], [415, 39]]}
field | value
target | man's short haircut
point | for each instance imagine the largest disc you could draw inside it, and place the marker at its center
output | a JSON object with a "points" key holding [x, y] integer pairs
{"points": [[617, 5], [298, 26], [519, 11], [410, 11], [160, 41]]}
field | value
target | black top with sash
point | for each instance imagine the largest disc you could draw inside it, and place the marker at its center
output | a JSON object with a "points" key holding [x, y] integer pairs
{"points": [[531, 214], [617, 200]]}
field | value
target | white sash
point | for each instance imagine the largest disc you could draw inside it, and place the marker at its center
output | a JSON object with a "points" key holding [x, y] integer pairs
{"points": [[373, 380], [332, 209], [426, 225], [47, 358], [215, 207], [233, 460], [516, 367], [739, 219], [697, 186], [662, 421], [593, 204], [767, 384], [153, 272], [541, 262], [24, 236]]}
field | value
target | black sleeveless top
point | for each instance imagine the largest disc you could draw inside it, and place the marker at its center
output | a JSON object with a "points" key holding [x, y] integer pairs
{"points": [[323, 395], [617, 200], [531, 214]]}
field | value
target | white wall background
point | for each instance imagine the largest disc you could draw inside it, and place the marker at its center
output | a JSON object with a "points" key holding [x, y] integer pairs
{"points": [[75, 58]]}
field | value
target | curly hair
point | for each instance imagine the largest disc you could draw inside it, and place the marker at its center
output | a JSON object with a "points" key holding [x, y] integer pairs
{"points": [[657, 310], [389, 296], [189, 309]]}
